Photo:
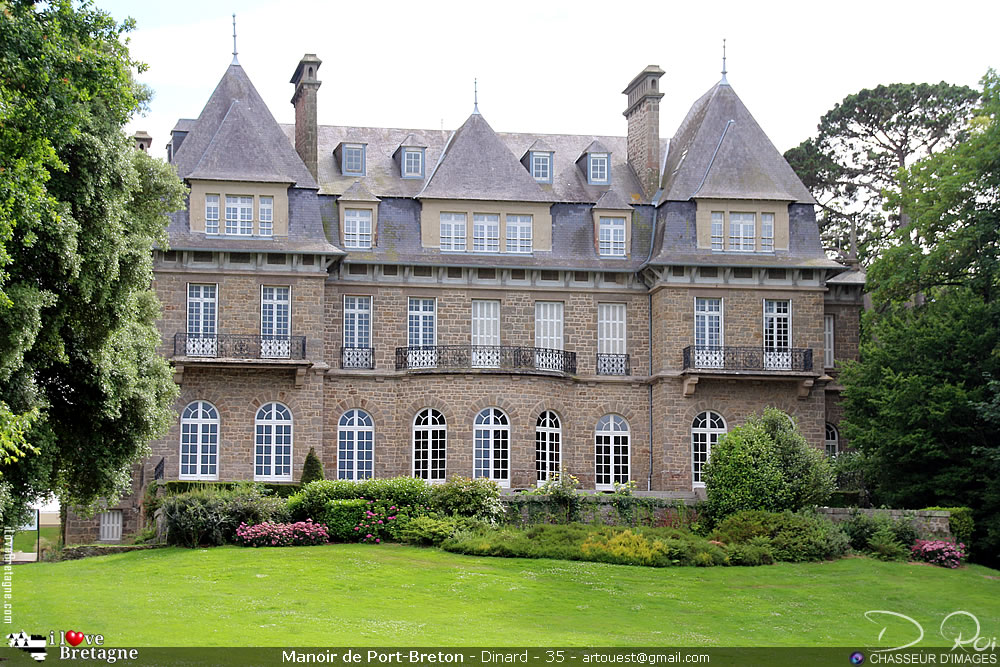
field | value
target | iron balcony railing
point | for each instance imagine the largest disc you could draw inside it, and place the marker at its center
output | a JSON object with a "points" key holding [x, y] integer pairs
{"points": [[357, 357], [502, 357], [613, 364], [238, 346], [158, 469], [764, 359]]}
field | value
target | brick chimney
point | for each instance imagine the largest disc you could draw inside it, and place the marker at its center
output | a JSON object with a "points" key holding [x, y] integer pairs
{"points": [[643, 115], [304, 101]]}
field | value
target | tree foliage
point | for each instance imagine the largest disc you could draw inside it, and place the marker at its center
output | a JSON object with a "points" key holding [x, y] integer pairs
{"points": [[924, 401], [312, 468], [862, 143], [80, 210], [766, 464]]}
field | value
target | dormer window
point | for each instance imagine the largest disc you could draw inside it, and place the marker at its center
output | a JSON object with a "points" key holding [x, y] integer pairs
{"points": [[541, 167], [239, 215], [211, 214], [413, 163], [358, 228], [598, 171], [354, 159], [611, 237]]}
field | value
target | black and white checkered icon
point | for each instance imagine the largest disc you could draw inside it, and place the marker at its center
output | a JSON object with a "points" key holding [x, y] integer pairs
{"points": [[33, 644]]}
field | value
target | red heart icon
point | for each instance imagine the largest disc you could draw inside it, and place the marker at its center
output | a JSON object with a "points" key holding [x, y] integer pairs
{"points": [[74, 638]]}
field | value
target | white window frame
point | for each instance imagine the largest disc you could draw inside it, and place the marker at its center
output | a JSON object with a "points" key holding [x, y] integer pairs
{"points": [[421, 332], [272, 432], [611, 236], [612, 328], [413, 168], [275, 321], [777, 334], [200, 436], [600, 168], [355, 445], [541, 167], [485, 232], [829, 341], [612, 450], [239, 215], [742, 231], [453, 232], [265, 214], [357, 321], [718, 230], [109, 527], [485, 333], [352, 151], [358, 228], [706, 429], [831, 440], [519, 229], [709, 332], [212, 214], [433, 436], [491, 446], [548, 446], [767, 232], [202, 320], [549, 319]]}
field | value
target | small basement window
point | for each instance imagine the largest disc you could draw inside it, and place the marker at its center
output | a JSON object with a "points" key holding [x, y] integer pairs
{"points": [[454, 272], [708, 272], [240, 257], [549, 275], [422, 271], [776, 274], [487, 274], [357, 269], [390, 270], [742, 272], [201, 256], [277, 258]]}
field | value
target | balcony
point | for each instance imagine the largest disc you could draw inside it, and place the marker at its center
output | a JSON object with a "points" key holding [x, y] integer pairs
{"points": [[613, 364], [485, 357], [748, 359], [357, 358], [238, 346]]}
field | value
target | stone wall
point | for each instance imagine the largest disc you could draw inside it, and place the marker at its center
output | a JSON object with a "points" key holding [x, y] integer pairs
{"points": [[930, 524]]}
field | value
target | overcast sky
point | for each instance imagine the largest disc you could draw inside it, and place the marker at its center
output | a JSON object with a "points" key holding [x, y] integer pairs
{"points": [[552, 67]]}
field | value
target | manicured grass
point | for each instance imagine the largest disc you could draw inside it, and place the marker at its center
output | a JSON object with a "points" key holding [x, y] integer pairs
{"points": [[25, 541], [389, 595]]}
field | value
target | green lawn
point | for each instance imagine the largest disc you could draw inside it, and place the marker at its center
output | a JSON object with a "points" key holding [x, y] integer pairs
{"points": [[25, 541], [344, 595]]}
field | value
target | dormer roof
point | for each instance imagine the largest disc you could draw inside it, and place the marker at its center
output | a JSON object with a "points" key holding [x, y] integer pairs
{"points": [[720, 151], [539, 146], [612, 201], [477, 164], [594, 147], [237, 139], [358, 192]]}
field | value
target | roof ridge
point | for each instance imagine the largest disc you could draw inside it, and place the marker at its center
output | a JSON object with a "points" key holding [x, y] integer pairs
{"points": [[729, 123]]}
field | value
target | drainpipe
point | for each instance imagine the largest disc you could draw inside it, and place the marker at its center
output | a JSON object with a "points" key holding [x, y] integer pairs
{"points": [[649, 321]]}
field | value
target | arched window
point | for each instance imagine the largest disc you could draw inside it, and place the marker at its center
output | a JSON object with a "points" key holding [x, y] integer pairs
{"points": [[273, 444], [200, 441], [430, 444], [492, 444], [355, 438], [832, 440], [548, 438], [706, 429], [611, 444]]}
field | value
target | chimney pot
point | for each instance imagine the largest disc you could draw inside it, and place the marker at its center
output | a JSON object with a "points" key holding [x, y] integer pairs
{"points": [[643, 115], [304, 100]]}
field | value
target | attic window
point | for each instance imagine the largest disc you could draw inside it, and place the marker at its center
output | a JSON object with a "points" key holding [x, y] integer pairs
{"points": [[598, 172], [413, 163], [541, 167], [354, 159], [611, 237]]}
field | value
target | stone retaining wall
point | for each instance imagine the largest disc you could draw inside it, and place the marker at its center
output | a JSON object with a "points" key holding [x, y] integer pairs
{"points": [[87, 550], [930, 524]]}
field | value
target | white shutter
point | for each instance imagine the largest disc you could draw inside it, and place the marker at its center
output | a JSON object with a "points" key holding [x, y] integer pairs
{"points": [[549, 325], [110, 526], [485, 333], [828, 341], [611, 328]]}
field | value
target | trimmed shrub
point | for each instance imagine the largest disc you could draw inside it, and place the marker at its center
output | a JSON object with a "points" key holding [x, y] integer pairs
{"points": [[793, 537], [276, 489], [312, 468], [479, 498], [428, 530], [938, 552], [194, 518], [302, 533], [341, 517], [400, 491], [249, 504]]}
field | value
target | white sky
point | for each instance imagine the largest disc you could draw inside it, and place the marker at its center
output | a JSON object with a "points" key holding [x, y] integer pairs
{"points": [[552, 66]]}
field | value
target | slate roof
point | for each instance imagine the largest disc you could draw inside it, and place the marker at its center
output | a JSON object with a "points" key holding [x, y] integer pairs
{"points": [[236, 138], [720, 151]]}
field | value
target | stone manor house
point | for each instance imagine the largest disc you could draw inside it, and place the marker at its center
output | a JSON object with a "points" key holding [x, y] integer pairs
{"points": [[486, 304]]}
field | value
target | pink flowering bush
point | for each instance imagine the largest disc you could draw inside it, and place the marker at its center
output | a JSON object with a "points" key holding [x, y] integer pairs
{"points": [[302, 533], [383, 521], [938, 552]]}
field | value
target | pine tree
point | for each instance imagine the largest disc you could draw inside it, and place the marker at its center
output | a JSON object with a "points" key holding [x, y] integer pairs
{"points": [[312, 468]]}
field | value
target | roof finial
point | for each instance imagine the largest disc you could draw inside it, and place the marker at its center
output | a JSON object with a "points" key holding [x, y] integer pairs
{"points": [[475, 96], [724, 61], [235, 61]]}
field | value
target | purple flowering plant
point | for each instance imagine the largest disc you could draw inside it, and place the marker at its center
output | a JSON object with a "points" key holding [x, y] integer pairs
{"points": [[302, 533], [938, 552]]}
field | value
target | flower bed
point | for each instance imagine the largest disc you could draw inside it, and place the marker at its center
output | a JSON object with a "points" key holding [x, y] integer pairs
{"points": [[938, 552], [302, 533]]}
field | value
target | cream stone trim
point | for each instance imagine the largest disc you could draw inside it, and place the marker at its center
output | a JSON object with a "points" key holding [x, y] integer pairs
{"points": [[430, 221], [344, 204], [703, 220], [196, 213]]}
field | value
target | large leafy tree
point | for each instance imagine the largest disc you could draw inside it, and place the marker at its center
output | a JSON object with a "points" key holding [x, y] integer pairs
{"points": [[860, 146], [923, 401], [82, 390]]}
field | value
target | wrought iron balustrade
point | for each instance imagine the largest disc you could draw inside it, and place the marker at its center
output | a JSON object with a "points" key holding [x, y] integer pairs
{"points": [[239, 346], [501, 357], [613, 364], [158, 470], [357, 357], [763, 359]]}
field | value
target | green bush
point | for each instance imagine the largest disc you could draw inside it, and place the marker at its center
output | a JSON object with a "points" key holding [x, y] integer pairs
{"points": [[479, 498], [757, 551], [883, 545], [794, 537], [312, 468], [276, 489], [960, 522], [311, 501], [766, 464], [210, 516], [249, 504], [341, 518], [862, 526], [428, 530]]}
